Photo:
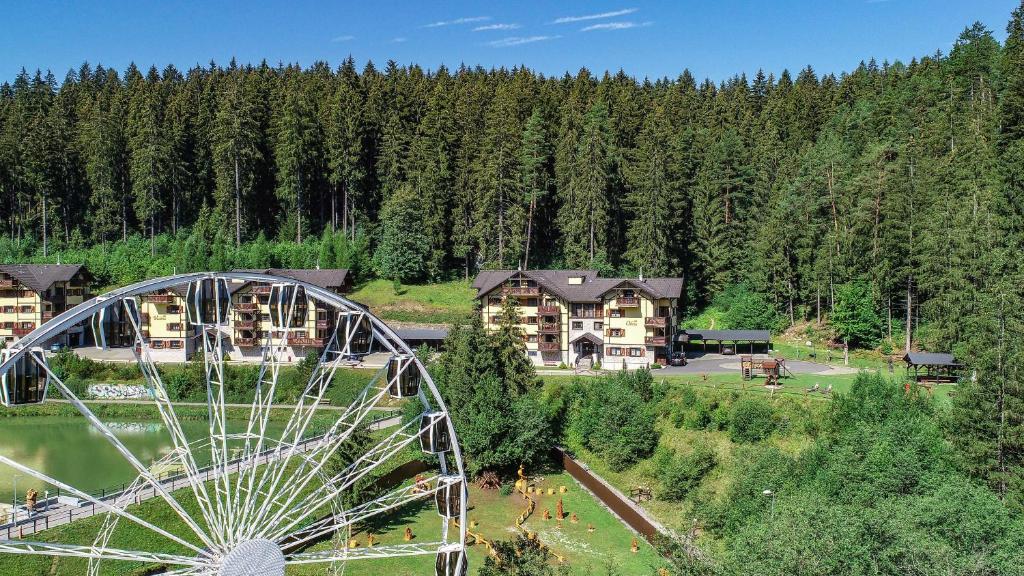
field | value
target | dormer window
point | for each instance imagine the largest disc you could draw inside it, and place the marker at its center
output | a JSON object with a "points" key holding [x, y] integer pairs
{"points": [[575, 280]]}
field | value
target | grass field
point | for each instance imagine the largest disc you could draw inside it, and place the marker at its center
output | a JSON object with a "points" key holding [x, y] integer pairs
{"points": [[494, 517], [441, 303]]}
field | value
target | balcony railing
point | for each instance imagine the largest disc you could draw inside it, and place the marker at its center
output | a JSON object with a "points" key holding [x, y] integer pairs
{"points": [[261, 289], [549, 346], [19, 331], [660, 321], [654, 340], [324, 323], [521, 290], [628, 301], [549, 328], [548, 310], [247, 307], [245, 324], [159, 298], [245, 342], [47, 316], [6, 283], [595, 314], [305, 341]]}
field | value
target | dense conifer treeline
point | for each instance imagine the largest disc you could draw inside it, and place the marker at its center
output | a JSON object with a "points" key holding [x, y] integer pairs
{"points": [[905, 176]]}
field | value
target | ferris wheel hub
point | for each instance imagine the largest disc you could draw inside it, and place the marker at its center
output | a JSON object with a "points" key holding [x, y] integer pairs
{"points": [[253, 558]]}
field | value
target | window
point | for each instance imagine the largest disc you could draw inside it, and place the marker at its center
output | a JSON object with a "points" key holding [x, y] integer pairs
{"points": [[157, 344], [616, 332], [494, 301], [27, 309], [7, 325], [598, 326], [614, 351], [9, 309], [494, 320], [531, 319], [531, 338], [263, 299], [636, 352], [577, 325], [74, 292], [532, 353], [616, 313], [173, 309], [176, 344], [174, 326], [27, 326], [531, 302], [265, 317]]}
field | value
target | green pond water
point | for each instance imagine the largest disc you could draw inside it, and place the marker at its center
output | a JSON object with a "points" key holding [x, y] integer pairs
{"points": [[71, 451]]}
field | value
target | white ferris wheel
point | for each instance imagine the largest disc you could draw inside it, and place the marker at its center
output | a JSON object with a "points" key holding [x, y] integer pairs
{"points": [[251, 496]]}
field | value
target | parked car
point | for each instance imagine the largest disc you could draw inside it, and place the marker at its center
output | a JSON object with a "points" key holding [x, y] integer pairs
{"points": [[58, 347], [728, 351], [677, 359]]}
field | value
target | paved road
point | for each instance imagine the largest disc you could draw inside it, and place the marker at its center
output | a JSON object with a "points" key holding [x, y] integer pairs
{"points": [[719, 364], [59, 514]]}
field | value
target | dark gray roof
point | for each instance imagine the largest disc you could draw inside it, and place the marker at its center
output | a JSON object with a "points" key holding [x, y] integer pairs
{"points": [[420, 334], [725, 335], [591, 289], [930, 359], [328, 278], [39, 277], [588, 336]]}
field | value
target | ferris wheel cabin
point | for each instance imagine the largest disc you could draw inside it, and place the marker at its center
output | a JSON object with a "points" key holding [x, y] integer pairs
{"points": [[403, 377], [434, 436], [207, 302], [451, 563], [25, 382]]}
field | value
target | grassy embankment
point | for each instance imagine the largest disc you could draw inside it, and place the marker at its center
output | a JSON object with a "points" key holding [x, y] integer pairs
{"points": [[442, 303]]}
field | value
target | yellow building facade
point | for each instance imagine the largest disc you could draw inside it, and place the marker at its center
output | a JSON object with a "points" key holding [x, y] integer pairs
{"points": [[573, 317], [31, 294]]}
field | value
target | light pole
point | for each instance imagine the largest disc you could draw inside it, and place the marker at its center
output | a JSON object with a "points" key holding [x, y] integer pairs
{"points": [[14, 510], [771, 494]]}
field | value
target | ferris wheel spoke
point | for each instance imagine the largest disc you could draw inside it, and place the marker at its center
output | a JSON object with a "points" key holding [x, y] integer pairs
{"points": [[170, 419], [27, 547], [128, 455], [288, 519], [316, 458], [95, 501], [384, 504], [213, 360], [371, 552]]}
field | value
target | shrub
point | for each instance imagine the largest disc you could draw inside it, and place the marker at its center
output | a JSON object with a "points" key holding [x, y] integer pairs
{"points": [[610, 417], [682, 475], [751, 420]]}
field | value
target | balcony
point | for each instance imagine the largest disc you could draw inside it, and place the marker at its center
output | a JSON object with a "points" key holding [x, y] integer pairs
{"points": [[159, 298], [6, 283], [549, 328], [247, 307], [245, 324], [245, 342], [655, 340], [19, 331], [549, 346], [544, 310], [324, 323], [657, 321], [261, 290], [593, 314], [521, 291], [627, 301], [305, 341], [47, 316]]}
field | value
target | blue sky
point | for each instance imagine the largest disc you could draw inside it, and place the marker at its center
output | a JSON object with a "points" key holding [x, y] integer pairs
{"points": [[714, 39]]}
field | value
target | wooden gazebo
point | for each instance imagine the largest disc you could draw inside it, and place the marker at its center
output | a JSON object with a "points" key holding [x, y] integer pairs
{"points": [[933, 367]]}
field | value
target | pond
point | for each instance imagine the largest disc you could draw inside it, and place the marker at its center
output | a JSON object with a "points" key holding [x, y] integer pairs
{"points": [[70, 450]]}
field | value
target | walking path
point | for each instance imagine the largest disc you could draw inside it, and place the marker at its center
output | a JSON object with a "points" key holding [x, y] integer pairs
{"points": [[64, 511]]}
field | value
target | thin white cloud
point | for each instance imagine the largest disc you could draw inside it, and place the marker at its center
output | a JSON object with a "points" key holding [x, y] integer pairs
{"points": [[496, 27], [345, 38], [399, 40], [518, 40], [612, 14], [616, 26], [466, 20]]}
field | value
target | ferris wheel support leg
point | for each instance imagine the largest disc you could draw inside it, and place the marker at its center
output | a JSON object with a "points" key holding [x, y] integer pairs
{"points": [[131, 458], [213, 361], [71, 551]]}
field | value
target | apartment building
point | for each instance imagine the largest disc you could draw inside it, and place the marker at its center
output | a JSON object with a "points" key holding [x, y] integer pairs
{"points": [[573, 316], [311, 322], [165, 325], [31, 294]]}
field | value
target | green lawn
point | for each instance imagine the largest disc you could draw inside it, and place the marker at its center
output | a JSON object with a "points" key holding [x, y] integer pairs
{"points": [[441, 303], [494, 518]]}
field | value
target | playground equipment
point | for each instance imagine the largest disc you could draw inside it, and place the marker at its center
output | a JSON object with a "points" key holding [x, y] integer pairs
{"points": [[258, 499], [771, 368]]}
